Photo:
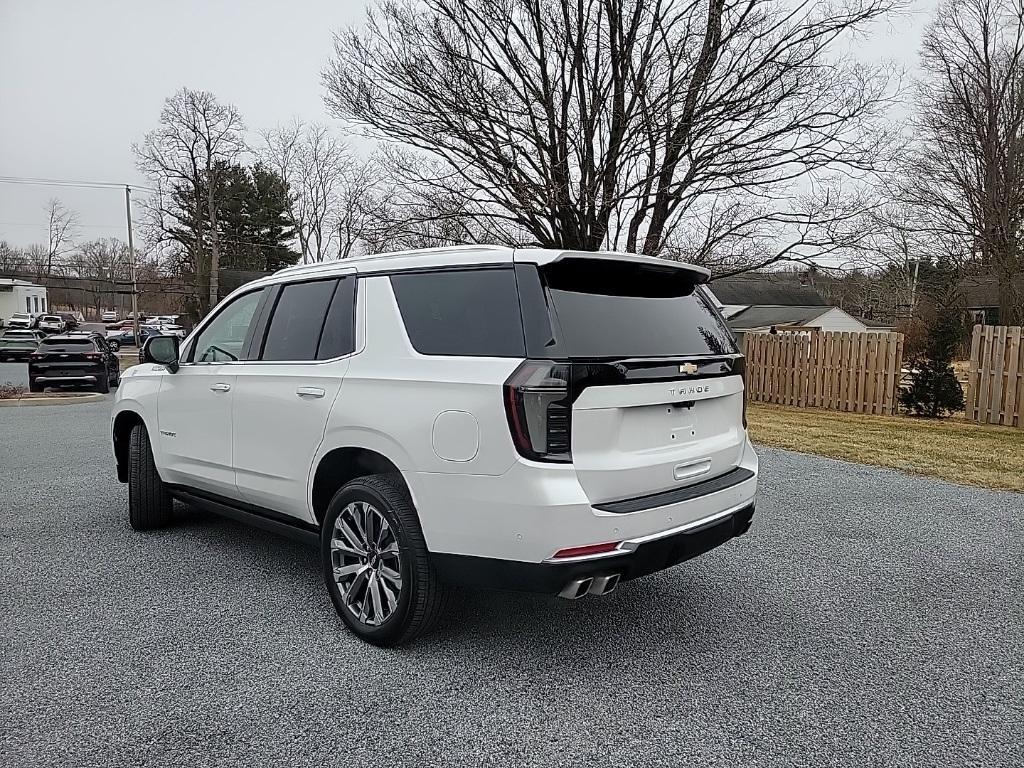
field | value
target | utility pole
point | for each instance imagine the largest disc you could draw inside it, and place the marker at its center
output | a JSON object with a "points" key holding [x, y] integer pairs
{"points": [[131, 263]]}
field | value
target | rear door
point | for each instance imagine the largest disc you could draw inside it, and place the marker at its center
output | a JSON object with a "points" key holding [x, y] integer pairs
{"points": [[656, 378], [284, 395]]}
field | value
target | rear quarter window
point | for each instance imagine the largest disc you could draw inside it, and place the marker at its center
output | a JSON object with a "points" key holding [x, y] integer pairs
{"points": [[462, 312]]}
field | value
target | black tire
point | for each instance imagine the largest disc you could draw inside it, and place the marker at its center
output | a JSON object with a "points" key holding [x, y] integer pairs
{"points": [[115, 346], [117, 379], [33, 387], [103, 384], [149, 503], [422, 598]]}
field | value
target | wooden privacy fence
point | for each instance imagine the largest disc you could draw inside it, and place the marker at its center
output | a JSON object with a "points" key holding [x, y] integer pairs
{"points": [[856, 372], [995, 381]]}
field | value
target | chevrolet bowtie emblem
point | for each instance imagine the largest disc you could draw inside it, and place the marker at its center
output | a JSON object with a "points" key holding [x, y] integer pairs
{"points": [[688, 368]]}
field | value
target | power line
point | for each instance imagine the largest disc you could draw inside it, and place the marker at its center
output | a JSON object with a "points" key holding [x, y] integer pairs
{"points": [[71, 183], [46, 224]]}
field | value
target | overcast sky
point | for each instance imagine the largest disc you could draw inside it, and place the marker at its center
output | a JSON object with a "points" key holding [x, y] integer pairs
{"points": [[81, 81]]}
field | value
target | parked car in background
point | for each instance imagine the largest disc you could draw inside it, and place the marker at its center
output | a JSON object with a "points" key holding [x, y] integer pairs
{"points": [[167, 329], [15, 350], [127, 336], [109, 316], [23, 333], [52, 324], [73, 359], [540, 420], [71, 319], [23, 320]]}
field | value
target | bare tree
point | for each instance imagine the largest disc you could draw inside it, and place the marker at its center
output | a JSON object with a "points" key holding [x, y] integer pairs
{"points": [[325, 181], [37, 258], [196, 138], [12, 260], [62, 226], [965, 173], [102, 265], [634, 124]]}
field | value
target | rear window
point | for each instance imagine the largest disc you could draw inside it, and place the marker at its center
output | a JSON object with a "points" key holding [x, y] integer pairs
{"points": [[465, 312], [18, 342], [619, 309], [76, 346]]}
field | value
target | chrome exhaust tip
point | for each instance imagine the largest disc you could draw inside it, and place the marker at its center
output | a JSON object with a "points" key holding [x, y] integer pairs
{"points": [[602, 585], [576, 589]]}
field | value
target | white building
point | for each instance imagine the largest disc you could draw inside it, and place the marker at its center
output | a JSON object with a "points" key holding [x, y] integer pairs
{"points": [[21, 296]]}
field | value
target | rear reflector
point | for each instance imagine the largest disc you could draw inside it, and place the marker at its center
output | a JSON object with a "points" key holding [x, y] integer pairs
{"points": [[589, 549]]}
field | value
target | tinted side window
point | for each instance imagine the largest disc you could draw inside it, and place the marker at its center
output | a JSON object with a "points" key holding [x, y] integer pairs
{"points": [[223, 340], [473, 312], [298, 320], [339, 337]]}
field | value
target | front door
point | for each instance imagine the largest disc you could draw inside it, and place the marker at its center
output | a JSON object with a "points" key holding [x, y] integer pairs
{"points": [[195, 403], [195, 427]]}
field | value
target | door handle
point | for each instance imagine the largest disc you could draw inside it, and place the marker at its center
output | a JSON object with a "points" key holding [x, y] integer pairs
{"points": [[309, 392], [220, 388]]}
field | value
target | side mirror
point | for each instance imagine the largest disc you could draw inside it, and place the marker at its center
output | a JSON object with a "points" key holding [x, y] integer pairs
{"points": [[162, 350]]}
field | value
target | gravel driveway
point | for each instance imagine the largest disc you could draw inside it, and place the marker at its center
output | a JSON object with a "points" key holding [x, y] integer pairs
{"points": [[870, 618]]}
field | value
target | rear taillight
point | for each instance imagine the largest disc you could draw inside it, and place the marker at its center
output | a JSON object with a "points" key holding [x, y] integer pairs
{"points": [[93, 356], [539, 410], [743, 378]]}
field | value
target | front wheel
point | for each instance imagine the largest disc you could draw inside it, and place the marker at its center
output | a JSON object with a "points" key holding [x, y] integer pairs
{"points": [[149, 503], [376, 564], [115, 346]]}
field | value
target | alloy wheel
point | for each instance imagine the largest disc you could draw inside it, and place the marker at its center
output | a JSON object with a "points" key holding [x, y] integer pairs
{"points": [[366, 562]]}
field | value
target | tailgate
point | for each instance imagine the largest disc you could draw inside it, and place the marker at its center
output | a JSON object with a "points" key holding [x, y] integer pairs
{"points": [[636, 439], [656, 379]]}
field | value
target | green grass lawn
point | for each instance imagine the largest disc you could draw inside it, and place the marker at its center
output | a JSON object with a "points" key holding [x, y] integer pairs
{"points": [[951, 449]]}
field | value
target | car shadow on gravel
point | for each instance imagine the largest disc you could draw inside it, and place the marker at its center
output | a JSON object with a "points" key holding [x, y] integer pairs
{"points": [[634, 612]]}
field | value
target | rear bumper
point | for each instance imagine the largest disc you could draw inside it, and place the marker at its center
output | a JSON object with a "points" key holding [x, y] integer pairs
{"points": [[83, 379], [646, 557], [533, 511]]}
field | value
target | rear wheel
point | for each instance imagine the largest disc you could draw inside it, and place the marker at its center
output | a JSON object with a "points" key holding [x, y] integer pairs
{"points": [[33, 387], [149, 503], [376, 564], [103, 382]]}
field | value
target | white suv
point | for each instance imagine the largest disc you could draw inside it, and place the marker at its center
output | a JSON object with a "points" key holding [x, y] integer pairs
{"points": [[551, 421]]}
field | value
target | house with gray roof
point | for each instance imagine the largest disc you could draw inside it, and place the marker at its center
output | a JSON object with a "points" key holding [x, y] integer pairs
{"points": [[760, 302]]}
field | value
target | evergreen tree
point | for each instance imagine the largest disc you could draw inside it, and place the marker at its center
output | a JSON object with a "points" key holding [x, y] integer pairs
{"points": [[252, 208], [935, 391]]}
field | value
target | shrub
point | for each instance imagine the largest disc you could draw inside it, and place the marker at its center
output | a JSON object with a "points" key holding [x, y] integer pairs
{"points": [[934, 391], [10, 391]]}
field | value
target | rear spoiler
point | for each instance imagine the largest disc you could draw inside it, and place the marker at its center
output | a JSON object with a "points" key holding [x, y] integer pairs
{"points": [[700, 275]]}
